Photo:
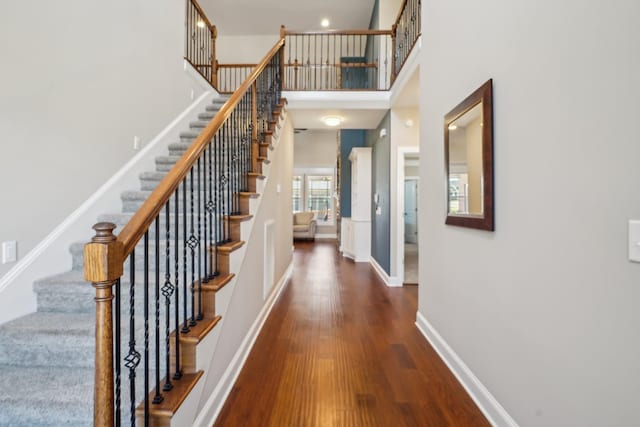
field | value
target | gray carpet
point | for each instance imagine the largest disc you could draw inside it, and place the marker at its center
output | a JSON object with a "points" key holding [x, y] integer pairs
{"points": [[47, 357], [410, 264]]}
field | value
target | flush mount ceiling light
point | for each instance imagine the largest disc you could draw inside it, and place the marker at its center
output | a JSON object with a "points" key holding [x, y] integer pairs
{"points": [[332, 121], [200, 24], [325, 23], [453, 127]]}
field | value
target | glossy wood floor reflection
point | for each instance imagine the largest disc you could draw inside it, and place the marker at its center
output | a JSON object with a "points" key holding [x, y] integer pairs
{"points": [[341, 349]]}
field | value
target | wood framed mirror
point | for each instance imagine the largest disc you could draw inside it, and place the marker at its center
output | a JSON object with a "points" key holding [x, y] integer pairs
{"points": [[468, 147]]}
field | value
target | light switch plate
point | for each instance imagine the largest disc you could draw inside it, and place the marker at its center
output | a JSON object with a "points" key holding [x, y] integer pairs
{"points": [[9, 251], [634, 240]]}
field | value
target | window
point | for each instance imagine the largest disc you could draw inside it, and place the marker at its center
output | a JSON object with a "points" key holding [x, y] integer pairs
{"points": [[297, 193], [319, 190], [313, 192], [458, 189]]}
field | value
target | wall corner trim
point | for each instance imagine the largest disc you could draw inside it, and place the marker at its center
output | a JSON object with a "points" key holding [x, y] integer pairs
{"points": [[217, 399], [197, 77], [390, 281], [489, 406]]}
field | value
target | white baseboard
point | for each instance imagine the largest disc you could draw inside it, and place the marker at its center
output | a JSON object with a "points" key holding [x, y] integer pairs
{"points": [[489, 406], [391, 281], [216, 401]]}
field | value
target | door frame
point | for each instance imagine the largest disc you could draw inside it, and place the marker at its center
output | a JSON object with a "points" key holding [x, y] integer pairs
{"points": [[417, 180], [399, 235]]}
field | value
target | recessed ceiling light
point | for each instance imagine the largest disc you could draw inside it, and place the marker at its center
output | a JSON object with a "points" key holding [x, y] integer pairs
{"points": [[453, 127], [332, 120], [325, 23], [200, 24]]}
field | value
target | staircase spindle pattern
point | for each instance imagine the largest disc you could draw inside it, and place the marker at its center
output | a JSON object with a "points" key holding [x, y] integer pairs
{"points": [[338, 60], [169, 256], [200, 42], [406, 31]]}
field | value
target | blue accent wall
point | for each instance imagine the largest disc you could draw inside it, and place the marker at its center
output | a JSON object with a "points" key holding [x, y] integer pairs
{"points": [[348, 139], [381, 184]]}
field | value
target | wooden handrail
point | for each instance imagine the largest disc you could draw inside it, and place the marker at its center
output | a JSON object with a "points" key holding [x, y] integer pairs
{"points": [[402, 8], [335, 64], [204, 15], [339, 33], [144, 217], [236, 65]]}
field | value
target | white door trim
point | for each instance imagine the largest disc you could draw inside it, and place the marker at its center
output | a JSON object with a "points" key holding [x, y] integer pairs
{"points": [[399, 253]]}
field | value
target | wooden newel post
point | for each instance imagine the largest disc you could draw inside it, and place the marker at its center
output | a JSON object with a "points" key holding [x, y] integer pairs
{"points": [[283, 34], [214, 60], [103, 265]]}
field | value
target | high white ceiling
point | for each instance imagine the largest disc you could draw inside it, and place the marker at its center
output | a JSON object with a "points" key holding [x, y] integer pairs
{"points": [[262, 17]]}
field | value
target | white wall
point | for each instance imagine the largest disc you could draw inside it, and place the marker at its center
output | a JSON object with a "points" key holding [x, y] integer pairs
{"points": [[79, 80], [388, 12], [247, 300], [543, 310], [316, 149], [244, 49]]}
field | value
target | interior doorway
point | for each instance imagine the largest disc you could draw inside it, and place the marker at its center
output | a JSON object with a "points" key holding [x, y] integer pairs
{"points": [[410, 215]]}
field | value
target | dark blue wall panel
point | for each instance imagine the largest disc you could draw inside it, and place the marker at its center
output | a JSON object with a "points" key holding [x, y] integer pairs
{"points": [[348, 139], [381, 184]]}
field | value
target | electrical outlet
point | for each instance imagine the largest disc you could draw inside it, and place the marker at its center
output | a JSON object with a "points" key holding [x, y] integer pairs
{"points": [[9, 251], [136, 143]]}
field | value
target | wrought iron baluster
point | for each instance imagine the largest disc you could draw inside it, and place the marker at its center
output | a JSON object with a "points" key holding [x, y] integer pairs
{"points": [[158, 397], [216, 181], [199, 246], [227, 152], [167, 292], [178, 372], [132, 360], [185, 310], [213, 200], [206, 219], [193, 244], [118, 353], [146, 328]]}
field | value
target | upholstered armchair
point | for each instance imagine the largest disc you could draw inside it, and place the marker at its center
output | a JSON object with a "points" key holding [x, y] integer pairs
{"points": [[304, 226]]}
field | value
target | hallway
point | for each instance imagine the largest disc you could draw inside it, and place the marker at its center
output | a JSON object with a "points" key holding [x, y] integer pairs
{"points": [[341, 349]]}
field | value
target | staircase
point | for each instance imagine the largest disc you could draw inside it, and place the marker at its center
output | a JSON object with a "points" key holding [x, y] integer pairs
{"points": [[47, 357]]}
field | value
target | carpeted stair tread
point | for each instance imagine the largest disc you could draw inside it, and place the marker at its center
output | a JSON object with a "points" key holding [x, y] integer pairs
{"points": [[48, 339], [208, 115], [46, 357], [46, 396], [190, 134], [198, 125]]}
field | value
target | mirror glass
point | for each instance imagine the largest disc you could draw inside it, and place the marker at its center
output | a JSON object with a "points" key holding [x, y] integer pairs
{"points": [[465, 163], [468, 136]]}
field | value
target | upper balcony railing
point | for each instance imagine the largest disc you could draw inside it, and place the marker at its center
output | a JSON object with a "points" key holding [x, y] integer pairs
{"points": [[333, 60], [406, 31], [200, 42], [337, 60]]}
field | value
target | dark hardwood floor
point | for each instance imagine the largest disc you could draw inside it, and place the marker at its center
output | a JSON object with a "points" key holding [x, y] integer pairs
{"points": [[341, 349]]}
